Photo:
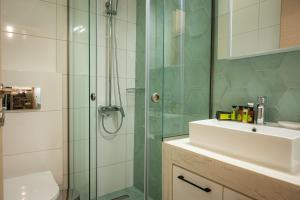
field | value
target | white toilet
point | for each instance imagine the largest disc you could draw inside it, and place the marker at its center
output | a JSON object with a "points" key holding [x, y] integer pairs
{"points": [[37, 186]]}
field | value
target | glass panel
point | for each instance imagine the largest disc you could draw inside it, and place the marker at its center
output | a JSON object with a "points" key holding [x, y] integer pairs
{"points": [[187, 49], [154, 72], [108, 57], [155, 51], [81, 110], [116, 91]]}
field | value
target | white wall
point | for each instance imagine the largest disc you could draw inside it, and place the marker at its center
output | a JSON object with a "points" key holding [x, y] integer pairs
{"points": [[255, 26], [115, 156], [34, 53]]}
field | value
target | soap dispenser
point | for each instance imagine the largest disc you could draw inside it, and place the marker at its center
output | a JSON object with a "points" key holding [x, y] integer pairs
{"points": [[261, 110]]}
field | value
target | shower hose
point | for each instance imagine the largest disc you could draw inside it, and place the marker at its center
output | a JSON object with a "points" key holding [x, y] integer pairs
{"points": [[120, 110]]}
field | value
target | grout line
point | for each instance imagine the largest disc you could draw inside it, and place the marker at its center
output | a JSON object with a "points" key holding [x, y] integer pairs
{"points": [[30, 152], [31, 35], [32, 111]]}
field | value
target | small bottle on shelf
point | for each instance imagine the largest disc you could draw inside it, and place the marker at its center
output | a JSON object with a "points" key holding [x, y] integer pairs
{"points": [[251, 113], [234, 113], [245, 114], [240, 114]]}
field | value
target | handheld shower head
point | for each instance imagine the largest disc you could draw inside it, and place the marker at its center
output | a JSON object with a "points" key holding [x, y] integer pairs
{"points": [[108, 4], [111, 7]]}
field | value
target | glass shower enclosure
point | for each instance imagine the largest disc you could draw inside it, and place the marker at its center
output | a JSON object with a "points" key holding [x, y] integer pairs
{"points": [[139, 71]]}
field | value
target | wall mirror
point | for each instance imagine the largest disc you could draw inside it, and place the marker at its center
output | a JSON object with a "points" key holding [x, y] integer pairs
{"points": [[247, 28]]}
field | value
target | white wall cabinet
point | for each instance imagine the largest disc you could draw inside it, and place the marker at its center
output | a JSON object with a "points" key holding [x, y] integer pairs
{"points": [[190, 186]]}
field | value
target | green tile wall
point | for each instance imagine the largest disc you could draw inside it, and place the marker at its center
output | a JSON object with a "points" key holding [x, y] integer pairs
{"points": [[276, 76]]}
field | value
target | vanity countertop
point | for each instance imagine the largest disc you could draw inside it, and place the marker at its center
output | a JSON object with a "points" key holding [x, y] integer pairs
{"points": [[251, 179]]}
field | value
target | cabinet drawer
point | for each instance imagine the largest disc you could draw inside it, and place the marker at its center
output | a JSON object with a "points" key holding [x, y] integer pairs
{"points": [[189, 186], [231, 195]]}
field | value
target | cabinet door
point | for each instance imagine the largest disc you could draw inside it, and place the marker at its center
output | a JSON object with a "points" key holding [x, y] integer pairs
{"points": [[189, 186], [231, 195]]}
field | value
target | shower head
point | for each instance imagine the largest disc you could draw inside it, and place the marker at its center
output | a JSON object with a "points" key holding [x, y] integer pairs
{"points": [[111, 7]]}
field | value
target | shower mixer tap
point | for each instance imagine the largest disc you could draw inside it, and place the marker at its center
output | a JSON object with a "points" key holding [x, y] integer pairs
{"points": [[105, 110]]}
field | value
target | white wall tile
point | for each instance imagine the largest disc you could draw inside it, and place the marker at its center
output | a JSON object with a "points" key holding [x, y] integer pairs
{"points": [[33, 57], [79, 123], [32, 131], [50, 84], [62, 2], [65, 160], [270, 13], [21, 164], [33, 17], [132, 11], [62, 22], [27, 53], [102, 65], [129, 174], [130, 119], [81, 183], [245, 20], [65, 91], [122, 62], [112, 178], [79, 58], [131, 36], [240, 4], [129, 146], [79, 26], [121, 34], [244, 44], [269, 38], [102, 91], [122, 10], [65, 127], [131, 64], [79, 95], [111, 151], [80, 155], [80, 5], [50, 1], [62, 56], [101, 7]]}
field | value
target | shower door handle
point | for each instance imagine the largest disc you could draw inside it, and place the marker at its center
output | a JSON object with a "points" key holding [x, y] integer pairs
{"points": [[155, 97]]}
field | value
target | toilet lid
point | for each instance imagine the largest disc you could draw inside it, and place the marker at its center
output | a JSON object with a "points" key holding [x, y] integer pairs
{"points": [[35, 186]]}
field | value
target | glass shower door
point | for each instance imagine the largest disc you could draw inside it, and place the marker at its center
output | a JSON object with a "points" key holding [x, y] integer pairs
{"points": [[82, 108], [154, 96]]}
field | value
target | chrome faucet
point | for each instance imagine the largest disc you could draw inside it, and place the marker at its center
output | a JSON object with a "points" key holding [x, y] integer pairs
{"points": [[261, 110]]}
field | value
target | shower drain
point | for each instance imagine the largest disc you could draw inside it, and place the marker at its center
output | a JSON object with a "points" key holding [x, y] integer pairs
{"points": [[121, 197]]}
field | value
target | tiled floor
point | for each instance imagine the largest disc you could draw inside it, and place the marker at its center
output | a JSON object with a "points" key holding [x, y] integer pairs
{"points": [[131, 193]]}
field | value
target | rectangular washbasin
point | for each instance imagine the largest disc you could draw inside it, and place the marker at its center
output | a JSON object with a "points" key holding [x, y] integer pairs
{"points": [[273, 147]]}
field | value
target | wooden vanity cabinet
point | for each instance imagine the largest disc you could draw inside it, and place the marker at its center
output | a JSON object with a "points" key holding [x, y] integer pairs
{"points": [[190, 186]]}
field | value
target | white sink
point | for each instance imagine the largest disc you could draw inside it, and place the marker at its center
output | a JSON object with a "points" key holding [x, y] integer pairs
{"points": [[273, 147]]}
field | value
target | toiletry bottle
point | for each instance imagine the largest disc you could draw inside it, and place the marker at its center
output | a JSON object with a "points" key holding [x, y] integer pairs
{"points": [[234, 113], [251, 113], [240, 114], [245, 114], [221, 115]]}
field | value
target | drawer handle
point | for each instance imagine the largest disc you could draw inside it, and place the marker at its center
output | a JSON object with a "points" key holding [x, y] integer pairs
{"points": [[193, 184]]}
